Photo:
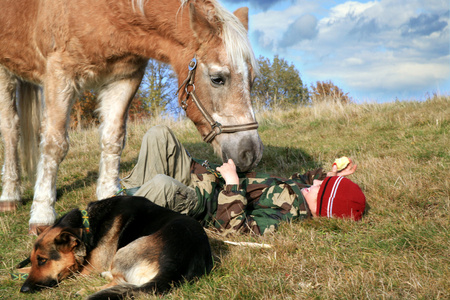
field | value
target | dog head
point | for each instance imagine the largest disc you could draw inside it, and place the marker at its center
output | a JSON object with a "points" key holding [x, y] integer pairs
{"points": [[57, 254]]}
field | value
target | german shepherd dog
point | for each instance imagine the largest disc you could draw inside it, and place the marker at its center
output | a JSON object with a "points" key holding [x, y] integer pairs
{"points": [[142, 247]]}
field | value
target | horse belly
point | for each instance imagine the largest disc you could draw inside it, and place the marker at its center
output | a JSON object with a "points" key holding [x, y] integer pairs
{"points": [[18, 50]]}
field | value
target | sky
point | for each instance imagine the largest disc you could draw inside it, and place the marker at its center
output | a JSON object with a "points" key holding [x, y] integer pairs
{"points": [[376, 51]]}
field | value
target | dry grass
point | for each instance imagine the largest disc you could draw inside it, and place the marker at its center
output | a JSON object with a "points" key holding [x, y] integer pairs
{"points": [[399, 250]]}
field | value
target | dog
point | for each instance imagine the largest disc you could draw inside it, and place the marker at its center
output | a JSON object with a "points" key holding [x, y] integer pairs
{"points": [[142, 246]]}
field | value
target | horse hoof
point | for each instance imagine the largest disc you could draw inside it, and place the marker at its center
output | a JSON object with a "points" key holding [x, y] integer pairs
{"points": [[7, 206]]}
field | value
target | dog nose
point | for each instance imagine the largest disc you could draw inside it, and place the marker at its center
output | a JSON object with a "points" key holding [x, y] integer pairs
{"points": [[25, 288]]}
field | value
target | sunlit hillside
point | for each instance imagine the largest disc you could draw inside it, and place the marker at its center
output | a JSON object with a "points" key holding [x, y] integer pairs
{"points": [[400, 250]]}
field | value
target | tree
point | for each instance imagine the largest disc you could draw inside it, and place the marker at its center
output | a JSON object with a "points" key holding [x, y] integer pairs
{"points": [[279, 84], [327, 91], [83, 111], [155, 95], [158, 88]]}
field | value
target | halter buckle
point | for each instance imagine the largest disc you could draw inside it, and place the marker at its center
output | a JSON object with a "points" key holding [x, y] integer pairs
{"points": [[192, 64]]}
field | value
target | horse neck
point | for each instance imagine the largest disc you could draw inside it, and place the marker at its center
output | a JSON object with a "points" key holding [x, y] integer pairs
{"points": [[163, 32]]}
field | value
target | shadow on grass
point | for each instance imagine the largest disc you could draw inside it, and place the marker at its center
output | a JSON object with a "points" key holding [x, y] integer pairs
{"points": [[89, 179], [280, 161], [219, 250]]}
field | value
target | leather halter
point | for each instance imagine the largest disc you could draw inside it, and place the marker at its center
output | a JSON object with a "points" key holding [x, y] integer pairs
{"points": [[216, 127]]}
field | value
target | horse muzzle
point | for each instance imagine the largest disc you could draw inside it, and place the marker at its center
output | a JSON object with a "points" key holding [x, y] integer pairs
{"points": [[244, 148]]}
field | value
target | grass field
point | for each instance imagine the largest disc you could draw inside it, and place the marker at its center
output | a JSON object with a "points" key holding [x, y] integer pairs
{"points": [[400, 250]]}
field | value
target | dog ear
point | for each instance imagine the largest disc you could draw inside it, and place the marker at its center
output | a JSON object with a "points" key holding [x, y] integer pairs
{"points": [[40, 229], [68, 239]]}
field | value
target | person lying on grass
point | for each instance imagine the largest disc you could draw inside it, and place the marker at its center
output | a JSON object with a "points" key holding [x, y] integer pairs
{"points": [[234, 202]]}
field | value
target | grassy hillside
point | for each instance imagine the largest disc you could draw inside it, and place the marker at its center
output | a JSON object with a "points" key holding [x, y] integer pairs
{"points": [[399, 250]]}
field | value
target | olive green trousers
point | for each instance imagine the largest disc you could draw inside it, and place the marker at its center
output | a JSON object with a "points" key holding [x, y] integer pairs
{"points": [[162, 172]]}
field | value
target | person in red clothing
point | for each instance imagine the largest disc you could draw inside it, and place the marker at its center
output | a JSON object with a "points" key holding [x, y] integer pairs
{"points": [[321, 200]]}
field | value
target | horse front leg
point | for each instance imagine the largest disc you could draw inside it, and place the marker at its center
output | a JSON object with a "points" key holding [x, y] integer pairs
{"points": [[9, 126], [115, 99], [59, 94]]}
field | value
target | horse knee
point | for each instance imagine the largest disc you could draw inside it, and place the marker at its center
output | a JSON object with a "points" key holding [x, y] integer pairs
{"points": [[55, 146]]}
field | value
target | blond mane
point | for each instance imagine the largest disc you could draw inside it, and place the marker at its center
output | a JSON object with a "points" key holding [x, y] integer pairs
{"points": [[234, 35], [139, 4]]}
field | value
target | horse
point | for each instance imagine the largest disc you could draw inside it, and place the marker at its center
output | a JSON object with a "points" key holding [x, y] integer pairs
{"points": [[51, 50]]}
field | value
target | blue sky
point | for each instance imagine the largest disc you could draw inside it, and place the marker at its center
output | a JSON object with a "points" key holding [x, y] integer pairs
{"points": [[374, 50]]}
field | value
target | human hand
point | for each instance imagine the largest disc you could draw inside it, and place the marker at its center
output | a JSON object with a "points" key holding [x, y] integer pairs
{"points": [[228, 172], [349, 170]]}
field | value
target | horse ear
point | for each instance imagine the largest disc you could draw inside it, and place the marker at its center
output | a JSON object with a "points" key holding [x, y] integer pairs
{"points": [[242, 15], [200, 25]]}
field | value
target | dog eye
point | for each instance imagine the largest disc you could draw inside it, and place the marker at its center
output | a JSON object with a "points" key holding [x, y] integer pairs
{"points": [[41, 261]]}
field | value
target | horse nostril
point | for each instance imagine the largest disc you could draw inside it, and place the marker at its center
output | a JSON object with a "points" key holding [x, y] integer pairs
{"points": [[246, 158], [245, 152]]}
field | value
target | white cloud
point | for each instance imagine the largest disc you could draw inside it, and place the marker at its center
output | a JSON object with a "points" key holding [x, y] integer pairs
{"points": [[350, 8], [274, 23], [378, 45], [262, 4], [304, 28]]}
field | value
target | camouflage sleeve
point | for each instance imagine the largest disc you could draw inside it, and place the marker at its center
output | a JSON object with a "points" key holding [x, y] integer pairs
{"points": [[203, 183], [231, 216], [309, 176], [278, 203]]}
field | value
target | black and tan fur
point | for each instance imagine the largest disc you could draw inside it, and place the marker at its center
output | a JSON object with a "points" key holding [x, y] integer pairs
{"points": [[146, 248]]}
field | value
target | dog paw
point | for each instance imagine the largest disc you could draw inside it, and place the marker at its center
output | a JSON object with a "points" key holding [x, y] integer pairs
{"points": [[107, 275]]}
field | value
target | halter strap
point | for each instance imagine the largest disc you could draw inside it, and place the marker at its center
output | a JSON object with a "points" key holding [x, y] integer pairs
{"points": [[216, 127]]}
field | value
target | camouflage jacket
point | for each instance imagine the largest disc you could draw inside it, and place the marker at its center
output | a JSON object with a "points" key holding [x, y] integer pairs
{"points": [[257, 205]]}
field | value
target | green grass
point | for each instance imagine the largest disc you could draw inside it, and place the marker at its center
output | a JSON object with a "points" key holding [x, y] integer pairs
{"points": [[399, 250]]}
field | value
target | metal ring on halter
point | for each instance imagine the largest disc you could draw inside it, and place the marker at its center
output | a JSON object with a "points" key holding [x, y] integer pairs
{"points": [[188, 85], [217, 125]]}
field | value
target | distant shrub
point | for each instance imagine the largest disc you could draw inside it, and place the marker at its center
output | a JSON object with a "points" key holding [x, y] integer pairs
{"points": [[323, 91], [84, 113]]}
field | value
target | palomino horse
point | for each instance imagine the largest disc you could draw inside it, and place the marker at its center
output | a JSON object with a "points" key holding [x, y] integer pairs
{"points": [[67, 46]]}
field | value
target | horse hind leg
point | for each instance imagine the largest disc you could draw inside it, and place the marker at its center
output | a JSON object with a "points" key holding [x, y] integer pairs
{"points": [[115, 99], [9, 126]]}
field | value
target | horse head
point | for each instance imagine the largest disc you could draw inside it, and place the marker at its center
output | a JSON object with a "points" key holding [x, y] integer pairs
{"points": [[216, 92]]}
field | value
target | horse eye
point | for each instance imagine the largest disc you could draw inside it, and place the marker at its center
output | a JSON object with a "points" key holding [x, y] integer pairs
{"points": [[217, 80]]}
